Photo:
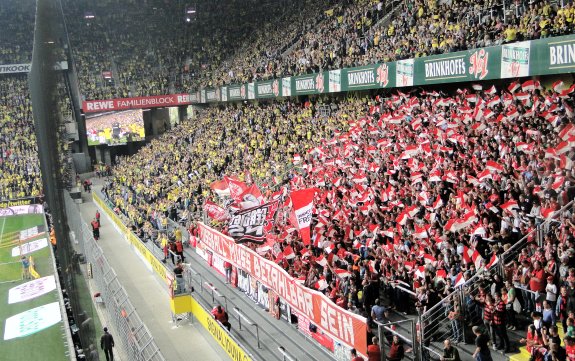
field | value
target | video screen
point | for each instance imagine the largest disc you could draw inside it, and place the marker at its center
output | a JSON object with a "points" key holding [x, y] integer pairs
{"points": [[116, 128]]}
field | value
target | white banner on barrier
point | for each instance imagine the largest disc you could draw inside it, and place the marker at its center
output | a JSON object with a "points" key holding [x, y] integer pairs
{"points": [[18, 210], [29, 233], [29, 247], [31, 321], [32, 289]]}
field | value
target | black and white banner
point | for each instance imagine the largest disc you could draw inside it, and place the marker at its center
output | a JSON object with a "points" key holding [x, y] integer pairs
{"points": [[252, 225]]}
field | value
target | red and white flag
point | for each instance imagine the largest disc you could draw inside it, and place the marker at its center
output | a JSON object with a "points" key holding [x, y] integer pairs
{"points": [[421, 232], [215, 212], [494, 166], [493, 261], [302, 204], [220, 188], [236, 188], [288, 252], [459, 280], [509, 205], [529, 85], [321, 260], [438, 203], [513, 87], [558, 86], [342, 273], [251, 197]]}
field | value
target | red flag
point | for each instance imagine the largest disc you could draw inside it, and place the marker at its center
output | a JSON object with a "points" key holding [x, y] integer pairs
{"points": [[557, 86], [441, 273], [509, 205], [288, 252], [492, 261], [302, 203], [459, 280], [421, 232], [342, 273], [321, 260], [220, 188], [215, 212], [251, 197], [236, 187], [494, 166], [491, 90], [513, 87], [529, 85]]}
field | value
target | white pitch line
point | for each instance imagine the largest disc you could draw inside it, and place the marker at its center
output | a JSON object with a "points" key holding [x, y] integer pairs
{"points": [[2, 229]]}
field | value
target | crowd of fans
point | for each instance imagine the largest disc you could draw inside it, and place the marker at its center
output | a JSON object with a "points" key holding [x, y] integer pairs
{"points": [[418, 190], [19, 166], [156, 50], [120, 55], [17, 24]]}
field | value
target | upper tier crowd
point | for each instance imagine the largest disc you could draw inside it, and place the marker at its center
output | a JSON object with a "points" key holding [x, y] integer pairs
{"points": [[19, 166], [17, 24], [156, 51], [418, 190]]}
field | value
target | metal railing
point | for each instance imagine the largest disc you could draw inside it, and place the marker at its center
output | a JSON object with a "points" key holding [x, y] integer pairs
{"points": [[435, 324], [207, 296], [129, 330], [241, 317]]}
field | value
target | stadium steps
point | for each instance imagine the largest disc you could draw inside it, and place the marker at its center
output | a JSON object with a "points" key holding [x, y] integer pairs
{"points": [[465, 349], [277, 332]]}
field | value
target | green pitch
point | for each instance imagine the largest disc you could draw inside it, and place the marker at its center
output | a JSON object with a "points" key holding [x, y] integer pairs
{"points": [[47, 344]]}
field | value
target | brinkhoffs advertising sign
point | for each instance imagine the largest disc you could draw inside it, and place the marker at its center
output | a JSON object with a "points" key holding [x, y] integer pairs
{"points": [[521, 59]]}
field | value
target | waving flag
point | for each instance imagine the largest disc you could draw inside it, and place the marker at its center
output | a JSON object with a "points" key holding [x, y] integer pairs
{"points": [[215, 212], [558, 86], [251, 197], [494, 166], [529, 85], [288, 252], [236, 188], [220, 188], [493, 261], [421, 232], [459, 280], [302, 203], [509, 205], [513, 87]]}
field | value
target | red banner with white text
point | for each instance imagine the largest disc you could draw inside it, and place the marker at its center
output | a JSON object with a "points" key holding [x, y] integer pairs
{"points": [[171, 100], [340, 324]]}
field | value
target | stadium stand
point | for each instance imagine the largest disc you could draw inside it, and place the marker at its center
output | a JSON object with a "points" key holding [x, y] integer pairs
{"points": [[19, 167], [419, 192], [17, 22], [167, 56], [418, 28], [415, 188]]}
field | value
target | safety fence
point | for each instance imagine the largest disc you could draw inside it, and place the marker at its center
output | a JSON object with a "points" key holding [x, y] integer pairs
{"points": [[129, 330], [435, 324], [180, 292]]}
